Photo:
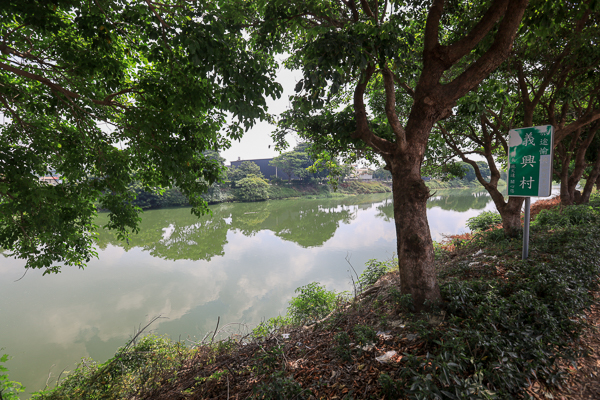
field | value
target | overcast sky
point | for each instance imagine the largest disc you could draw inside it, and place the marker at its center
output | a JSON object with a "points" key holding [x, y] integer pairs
{"points": [[255, 143]]}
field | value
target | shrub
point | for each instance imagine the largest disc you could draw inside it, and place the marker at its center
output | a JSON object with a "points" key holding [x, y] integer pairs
{"points": [[252, 188], [9, 390], [342, 346], [484, 221], [374, 270], [313, 303], [364, 334], [569, 216]]}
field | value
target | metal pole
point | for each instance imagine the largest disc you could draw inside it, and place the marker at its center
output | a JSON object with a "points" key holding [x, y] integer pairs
{"points": [[526, 229]]}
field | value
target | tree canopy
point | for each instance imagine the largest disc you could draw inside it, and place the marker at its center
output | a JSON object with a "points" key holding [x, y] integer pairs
{"points": [[378, 76], [102, 93]]}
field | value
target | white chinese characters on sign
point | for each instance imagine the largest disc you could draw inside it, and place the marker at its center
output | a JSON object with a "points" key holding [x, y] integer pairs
{"points": [[528, 160], [528, 140], [527, 182]]}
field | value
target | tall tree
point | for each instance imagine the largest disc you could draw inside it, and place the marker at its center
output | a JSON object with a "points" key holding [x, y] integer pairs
{"points": [[429, 55], [106, 92], [550, 78], [294, 163]]}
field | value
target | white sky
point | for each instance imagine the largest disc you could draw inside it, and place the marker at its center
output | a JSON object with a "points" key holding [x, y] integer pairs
{"points": [[255, 143]]}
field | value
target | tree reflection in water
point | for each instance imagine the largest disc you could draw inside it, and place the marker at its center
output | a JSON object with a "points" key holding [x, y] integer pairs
{"points": [[175, 234], [451, 200]]}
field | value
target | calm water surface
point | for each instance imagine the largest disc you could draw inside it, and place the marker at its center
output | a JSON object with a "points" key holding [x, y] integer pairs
{"points": [[241, 264]]}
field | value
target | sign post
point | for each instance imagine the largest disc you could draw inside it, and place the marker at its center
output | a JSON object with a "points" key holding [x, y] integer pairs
{"points": [[530, 168]]}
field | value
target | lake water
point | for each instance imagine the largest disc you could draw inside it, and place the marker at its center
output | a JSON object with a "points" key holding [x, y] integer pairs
{"points": [[241, 264]]}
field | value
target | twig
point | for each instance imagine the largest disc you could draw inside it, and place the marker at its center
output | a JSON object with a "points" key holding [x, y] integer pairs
{"points": [[351, 277], [59, 375], [213, 336], [49, 374], [139, 333], [23, 276]]}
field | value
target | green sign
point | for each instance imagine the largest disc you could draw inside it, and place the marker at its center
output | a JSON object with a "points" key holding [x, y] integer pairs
{"points": [[530, 161]]}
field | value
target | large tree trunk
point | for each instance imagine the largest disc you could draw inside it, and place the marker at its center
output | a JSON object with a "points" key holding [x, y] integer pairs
{"points": [[415, 246], [511, 215]]}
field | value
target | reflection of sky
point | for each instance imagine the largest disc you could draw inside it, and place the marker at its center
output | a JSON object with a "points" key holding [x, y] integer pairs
{"points": [[58, 319]]}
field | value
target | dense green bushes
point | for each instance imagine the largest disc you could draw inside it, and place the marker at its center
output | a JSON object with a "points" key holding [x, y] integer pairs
{"points": [[484, 221], [252, 188]]}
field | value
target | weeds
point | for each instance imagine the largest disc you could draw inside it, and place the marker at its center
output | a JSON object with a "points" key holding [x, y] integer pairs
{"points": [[313, 303]]}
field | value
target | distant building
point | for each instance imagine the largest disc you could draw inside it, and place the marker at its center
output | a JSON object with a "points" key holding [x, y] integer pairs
{"points": [[266, 169], [51, 179], [365, 174]]}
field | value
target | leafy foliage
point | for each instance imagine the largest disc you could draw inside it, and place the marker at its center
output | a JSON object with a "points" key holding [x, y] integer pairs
{"points": [[246, 168], [484, 221], [104, 94], [133, 369], [374, 270], [294, 163], [312, 303], [9, 390], [576, 215], [252, 188], [280, 388]]}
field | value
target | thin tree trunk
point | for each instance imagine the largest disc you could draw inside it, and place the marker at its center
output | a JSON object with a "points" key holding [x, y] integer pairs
{"points": [[415, 246], [510, 211], [594, 177]]}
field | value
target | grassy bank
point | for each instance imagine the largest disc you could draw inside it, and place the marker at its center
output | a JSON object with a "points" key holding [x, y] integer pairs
{"points": [[507, 328], [325, 191], [456, 184]]}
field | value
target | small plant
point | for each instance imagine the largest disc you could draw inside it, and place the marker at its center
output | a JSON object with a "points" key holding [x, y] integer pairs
{"points": [[269, 359], [374, 270], [364, 334], [313, 303], [342, 347], [9, 390], [280, 388], [403, 301], [270, 326], [389, 388], [484, 221]]}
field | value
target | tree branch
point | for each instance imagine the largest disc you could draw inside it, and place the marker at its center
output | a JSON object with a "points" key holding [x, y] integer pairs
{"points": [[363, 131], [390, 107], [492, 58], [465, 45]]}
